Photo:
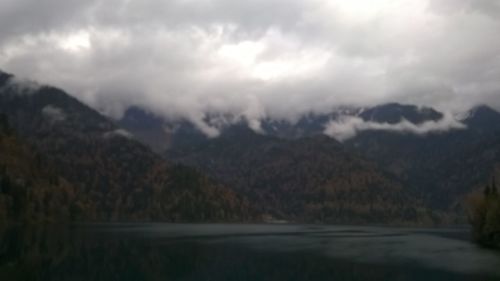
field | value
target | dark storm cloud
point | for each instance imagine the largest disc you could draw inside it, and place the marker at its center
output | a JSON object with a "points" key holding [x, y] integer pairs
{"points": [[277, 58]]}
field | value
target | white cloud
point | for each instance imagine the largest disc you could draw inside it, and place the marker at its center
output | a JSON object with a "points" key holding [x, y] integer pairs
{"points": [[256, 59], [347, 127], [75, 42], [118, 133], [54, 113], [22, 86]]}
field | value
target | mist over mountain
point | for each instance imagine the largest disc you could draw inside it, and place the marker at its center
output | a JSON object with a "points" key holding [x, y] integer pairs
{"points": [[342, 124], [380, 111], [109, 176], [439, 160], [249, 140], [294, 174]]}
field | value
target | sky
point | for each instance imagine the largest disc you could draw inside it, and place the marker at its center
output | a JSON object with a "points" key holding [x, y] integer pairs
{"points": [[259, 58]]}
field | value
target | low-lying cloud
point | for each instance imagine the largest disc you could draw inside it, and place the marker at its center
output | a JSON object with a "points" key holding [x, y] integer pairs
{"points": [[347, 127], [118, 133], [21, 86], [53, 113]]}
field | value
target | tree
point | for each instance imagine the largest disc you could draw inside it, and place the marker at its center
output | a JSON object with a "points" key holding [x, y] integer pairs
{"points": [[485, 217], [487, 191], [494, 190], [4, 124]]}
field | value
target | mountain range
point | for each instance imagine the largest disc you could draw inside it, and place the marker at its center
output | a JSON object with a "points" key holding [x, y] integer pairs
{"points": [[111, 176], [392, 163]]}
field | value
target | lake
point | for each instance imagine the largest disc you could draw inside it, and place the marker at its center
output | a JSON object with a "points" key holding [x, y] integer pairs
{"points": [[242, 252]]}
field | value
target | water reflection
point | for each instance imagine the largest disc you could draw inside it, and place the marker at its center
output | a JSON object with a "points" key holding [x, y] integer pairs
{"points": [[241, 252]]}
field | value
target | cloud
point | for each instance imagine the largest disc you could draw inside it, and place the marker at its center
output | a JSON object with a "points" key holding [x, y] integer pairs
{"points": [[22, 86], [53, 113], [347, 127], [118, 133], [256, 59]]}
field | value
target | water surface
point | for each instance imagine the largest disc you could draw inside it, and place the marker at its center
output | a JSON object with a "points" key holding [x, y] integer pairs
{"points": [[242, 252]]}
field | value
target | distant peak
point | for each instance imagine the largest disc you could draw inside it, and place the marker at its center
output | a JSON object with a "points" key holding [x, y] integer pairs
{"points": [[136, 117], [483, 109], [484, 117], [135, 111], [4, 77], [395, 112]]}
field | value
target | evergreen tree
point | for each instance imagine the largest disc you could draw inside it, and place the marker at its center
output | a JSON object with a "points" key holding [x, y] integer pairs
{"points": [[486, 217], [4, 124], [487, 191], [494, 190]]}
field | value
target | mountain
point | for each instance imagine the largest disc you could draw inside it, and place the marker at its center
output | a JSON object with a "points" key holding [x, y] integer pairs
{"points": [[443, 167], [29, 188], [393, 113], [483, 120], [162, 134], [147, 167], [114, 176], [4, 77], [313, 179], [439, 169]]}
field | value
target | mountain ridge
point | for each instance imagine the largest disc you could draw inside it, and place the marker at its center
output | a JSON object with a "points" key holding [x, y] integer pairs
{"points": [[115, 177], [155, 127], [294, 172]]}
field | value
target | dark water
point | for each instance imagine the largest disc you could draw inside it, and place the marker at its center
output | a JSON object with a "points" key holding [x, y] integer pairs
{"points": [[242, 252]]}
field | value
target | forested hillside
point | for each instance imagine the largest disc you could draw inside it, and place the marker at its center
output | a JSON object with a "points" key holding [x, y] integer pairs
{"points": [[443, 167], [310, 179], [112, 176], [29, 189], [438, 169], [92, 169]]}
